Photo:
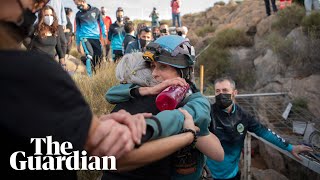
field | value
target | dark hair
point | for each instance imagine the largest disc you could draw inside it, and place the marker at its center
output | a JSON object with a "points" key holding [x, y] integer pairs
{"points": [[129, 27], [68, 10], [145, 29], [119, 9], [41, 27]]}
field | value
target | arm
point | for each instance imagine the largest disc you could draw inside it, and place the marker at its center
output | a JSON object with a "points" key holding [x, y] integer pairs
{"points": [[272, 137], [110, 32], [102, 25], [77, 24], [210, 146], [59, 50], [124, 92], [154, 150], [161, 148]]}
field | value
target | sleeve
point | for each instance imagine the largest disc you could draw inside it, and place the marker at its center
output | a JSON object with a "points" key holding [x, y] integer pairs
{"points": [[63, 15], [55, 107], [110, 32], [267, 134], [77, 24], [178, 3], [120, 93], [171, 122], [102, 25], [59, 48], [129, 48]]}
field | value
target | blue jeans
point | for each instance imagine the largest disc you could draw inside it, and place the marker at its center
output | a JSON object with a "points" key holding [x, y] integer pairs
{"points": [[308, 5], [176, 17]]}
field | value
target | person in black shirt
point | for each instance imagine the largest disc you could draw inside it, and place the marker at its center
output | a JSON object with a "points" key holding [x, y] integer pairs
{"points": [[39, 99], [69, 30], [130, 36], [45, 38]]}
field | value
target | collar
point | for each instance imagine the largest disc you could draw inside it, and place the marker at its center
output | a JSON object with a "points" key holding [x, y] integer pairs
{"points": [[233, 109]]}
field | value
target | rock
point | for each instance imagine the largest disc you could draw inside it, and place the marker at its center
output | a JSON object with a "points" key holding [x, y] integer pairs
{"points": [[74, 65], [264, 26], [272, 157], [268, 174]]}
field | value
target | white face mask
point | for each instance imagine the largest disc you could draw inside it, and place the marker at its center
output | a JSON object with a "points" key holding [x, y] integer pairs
{"points": [[48, 20], [184, 36]]}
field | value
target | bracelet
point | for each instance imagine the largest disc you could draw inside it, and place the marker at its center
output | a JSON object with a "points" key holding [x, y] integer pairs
{"points": [[194, 136]]}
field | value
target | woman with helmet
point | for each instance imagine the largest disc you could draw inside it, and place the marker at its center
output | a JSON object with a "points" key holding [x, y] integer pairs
{"points": [[171, 59]]}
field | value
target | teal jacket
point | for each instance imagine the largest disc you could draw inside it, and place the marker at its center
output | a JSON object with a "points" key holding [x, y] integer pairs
{"points": [[171, 121]]}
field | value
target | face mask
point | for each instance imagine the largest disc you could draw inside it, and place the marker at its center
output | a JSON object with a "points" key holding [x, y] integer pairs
{"points": [[80, 7], [223, 100], [144, 43], [119, 19], [184, 36], [48, 20], [23, 28], [179, 33], [103, 13]]}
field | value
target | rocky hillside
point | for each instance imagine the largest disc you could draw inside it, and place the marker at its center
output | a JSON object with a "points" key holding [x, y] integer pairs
{"points": [[277, 53], [274, 51]]}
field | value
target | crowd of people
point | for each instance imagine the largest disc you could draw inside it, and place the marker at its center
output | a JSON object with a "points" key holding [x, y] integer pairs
{"points": [[39, 97]]}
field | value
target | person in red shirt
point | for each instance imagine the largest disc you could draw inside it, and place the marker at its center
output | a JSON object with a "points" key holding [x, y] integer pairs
{"points": [[175, 6], [107, 22]]}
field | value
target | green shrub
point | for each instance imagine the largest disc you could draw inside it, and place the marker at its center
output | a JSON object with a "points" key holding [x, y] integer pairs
{"points": [[299, 103], [283, 47], [232, 38], [204, 30], [311, 25], [289, 18], [216, 62]]}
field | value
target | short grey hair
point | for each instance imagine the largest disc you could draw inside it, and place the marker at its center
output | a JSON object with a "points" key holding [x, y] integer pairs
{"points": [[226, 78], [132, 68]]}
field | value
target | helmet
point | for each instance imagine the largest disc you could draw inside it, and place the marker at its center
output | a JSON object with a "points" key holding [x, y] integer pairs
{"points": [[172, 50]]}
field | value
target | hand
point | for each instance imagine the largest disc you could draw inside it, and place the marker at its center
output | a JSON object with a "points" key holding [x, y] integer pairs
{"points": [[80, 50], [298, 149], [109, 138], [136, 123], [188, 121], [161, 86]]}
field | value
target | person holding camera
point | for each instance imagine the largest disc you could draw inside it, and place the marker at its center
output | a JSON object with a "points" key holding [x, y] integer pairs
{"points": [[154, 18]]}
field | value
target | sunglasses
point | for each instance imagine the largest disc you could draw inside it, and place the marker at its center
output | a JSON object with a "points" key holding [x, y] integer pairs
{"points": [[39, 4], [163, 30], [145, 28]]}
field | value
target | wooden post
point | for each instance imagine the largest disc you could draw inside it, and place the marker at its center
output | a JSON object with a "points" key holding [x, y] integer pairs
{"points": [[247, 158], [201, 78]]}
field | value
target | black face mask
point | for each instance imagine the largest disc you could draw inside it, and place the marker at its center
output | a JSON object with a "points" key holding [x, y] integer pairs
{"points": [[143, 43], [223, 100], [179, 33], [23, 29], [80, 7], [119, 19], [103, 13]]}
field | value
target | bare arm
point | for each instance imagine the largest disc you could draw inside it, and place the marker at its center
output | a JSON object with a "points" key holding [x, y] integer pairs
{"points": [[210, 146]]}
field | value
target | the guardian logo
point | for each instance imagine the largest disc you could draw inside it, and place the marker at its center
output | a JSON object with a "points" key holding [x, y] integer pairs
{"points": [[58, 157]]}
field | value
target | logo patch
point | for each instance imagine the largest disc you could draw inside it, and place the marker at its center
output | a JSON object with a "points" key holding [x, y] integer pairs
{"points": [[240, 128], [93, 15]]}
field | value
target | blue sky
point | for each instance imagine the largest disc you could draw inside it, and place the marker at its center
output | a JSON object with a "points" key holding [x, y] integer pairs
{"points": [[140, 9]]}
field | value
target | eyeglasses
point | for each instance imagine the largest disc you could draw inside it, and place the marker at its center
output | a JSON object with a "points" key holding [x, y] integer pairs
{"points": [[39, 4]]}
